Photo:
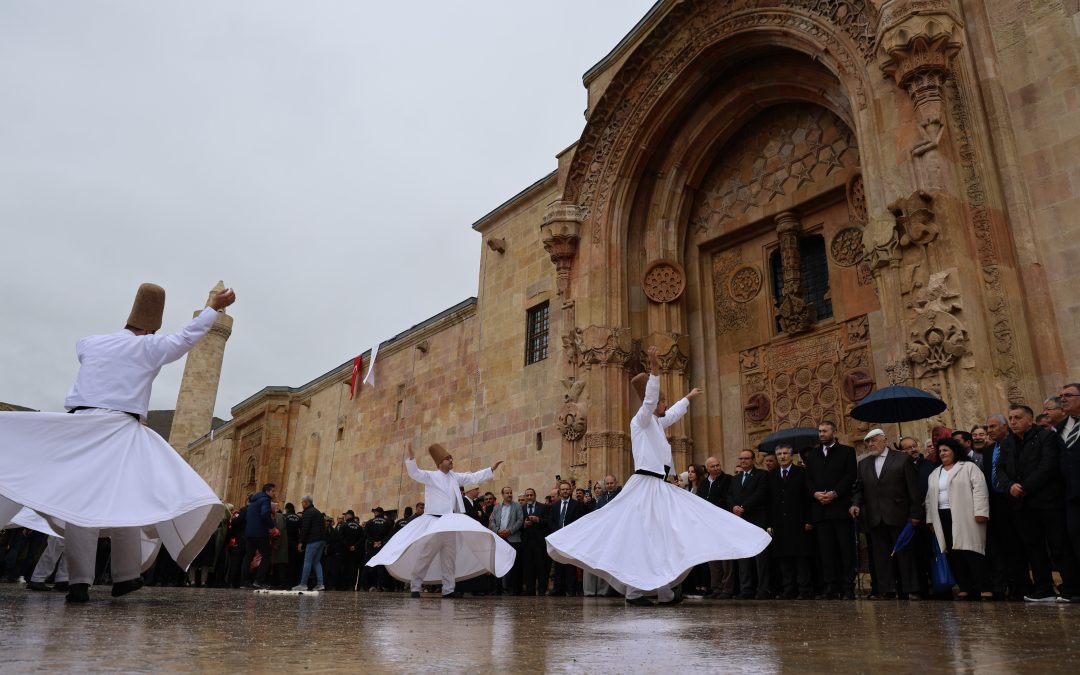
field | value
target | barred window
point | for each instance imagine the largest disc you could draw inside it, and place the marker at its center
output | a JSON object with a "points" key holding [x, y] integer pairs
{"points": [[814, 266], [536, 334]]}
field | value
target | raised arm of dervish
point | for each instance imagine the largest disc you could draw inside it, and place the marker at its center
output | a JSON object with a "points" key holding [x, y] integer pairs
{"points": [[162, 349], [666, 416], [442, 494]]}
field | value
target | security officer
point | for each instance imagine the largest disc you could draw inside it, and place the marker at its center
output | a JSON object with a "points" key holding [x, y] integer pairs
{"points": [[292, 533], [352, 550], [377, 532], [332, 554]]}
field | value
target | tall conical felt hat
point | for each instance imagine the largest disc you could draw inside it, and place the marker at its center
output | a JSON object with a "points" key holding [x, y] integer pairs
{"points": [[638, 383], [438, 453], [148, 307]]}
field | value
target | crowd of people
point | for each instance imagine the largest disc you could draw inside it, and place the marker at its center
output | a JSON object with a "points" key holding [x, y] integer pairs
{"points": [[1001, 500]]}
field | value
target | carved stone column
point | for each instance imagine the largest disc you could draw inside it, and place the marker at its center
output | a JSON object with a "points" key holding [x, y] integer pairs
{"points": [[795, 315], [920, 44], [560, 232]]}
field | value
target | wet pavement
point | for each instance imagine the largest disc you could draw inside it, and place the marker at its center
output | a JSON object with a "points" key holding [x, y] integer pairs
{"points": [[210, 630]]}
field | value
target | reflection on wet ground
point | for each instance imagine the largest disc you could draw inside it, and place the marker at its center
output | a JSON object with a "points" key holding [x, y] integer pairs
{"points": [[208, 630]]}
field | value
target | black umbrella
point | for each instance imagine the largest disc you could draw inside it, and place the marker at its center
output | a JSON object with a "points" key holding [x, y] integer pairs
{"points": [[898, 404], [800, 439]]}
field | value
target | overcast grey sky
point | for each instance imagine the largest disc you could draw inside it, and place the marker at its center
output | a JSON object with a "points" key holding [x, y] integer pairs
{"points": [[324, 158]]}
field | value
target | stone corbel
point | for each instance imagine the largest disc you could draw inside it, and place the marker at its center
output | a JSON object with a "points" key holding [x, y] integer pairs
{"points": [[571, 419], [673, 348], [919, 45], [796, 316], [601, 345], [916, 222], [560, 233]]}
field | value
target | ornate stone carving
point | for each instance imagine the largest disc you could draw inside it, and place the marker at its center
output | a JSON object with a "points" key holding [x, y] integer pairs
{"points": [[745, 283], [786, 147], [664, 281], [607, 439], [856, 200], [796, 316], [673, 348], [857, 385], [842, 31], [936, 338], [560, 232], [731, 316], [1006, 361], [847, 247], [571, 420], [748, 360], [602, 345], [858, 330], [898, 372], [916, 223], [757, 407]]}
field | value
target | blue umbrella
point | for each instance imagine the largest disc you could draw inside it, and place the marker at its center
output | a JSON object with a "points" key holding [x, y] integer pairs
{"points": [[904, 538], [898, 404]]}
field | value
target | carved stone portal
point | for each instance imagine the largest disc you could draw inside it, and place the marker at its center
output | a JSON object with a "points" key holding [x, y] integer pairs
{"points": [[936, 337], [600, 345]]}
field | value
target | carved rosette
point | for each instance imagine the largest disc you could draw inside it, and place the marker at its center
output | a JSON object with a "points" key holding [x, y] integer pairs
{"points": [[664, 281], [745, 283], [847, 247], [603, 346], [560, 233]]}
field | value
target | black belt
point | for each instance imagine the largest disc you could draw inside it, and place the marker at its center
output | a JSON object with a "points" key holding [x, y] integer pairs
{"points": [[643, 472], [435, 515], [90, 407]]}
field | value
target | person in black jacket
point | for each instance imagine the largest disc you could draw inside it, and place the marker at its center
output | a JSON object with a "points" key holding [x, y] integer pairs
{"points": [[351, 534], [377, 532], [535, 562], [292, 535], [714, 488], [1028, 469], [830, 473], [1069, 431], [560, 514], [789, 525], [748, 498], [312, 542]]}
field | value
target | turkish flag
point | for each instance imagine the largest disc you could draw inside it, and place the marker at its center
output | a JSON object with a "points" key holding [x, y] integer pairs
{"points": [[357, 362]]}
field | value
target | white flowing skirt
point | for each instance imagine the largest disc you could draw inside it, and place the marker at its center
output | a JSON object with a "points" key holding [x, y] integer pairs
{"points": [[103, 469], [478, 549], [652, 535]]}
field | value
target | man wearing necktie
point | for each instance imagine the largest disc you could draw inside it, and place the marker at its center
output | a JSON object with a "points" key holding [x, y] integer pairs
{"points": [[1069, 430], [535, 563], [1004, 549], [789, 525], [748, 498], [563, 512]]}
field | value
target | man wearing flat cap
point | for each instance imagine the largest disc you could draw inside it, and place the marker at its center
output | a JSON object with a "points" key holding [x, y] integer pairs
{"points": [[140, 486], [887, 497], [444, 545]]}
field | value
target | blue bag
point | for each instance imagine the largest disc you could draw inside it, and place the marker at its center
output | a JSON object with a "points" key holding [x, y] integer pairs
{"points": [[941, 576]]}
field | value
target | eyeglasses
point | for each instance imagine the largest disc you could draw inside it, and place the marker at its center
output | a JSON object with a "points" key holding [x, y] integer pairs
{"points": [[1069, 395]]}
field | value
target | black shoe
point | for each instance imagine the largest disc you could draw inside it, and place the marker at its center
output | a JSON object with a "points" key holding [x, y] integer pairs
{"points": [[60, 586], [710, 596], [452, 594], [259, 586], [916, 597], [847, 596], [37, 585], [804, 596], [414, 594], [640, 602], [78, 593], [674, 601], [124, 587], [723, 596]]}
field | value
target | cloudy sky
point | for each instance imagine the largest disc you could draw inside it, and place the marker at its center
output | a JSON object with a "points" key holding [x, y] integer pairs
{"points": [[324, 158]]}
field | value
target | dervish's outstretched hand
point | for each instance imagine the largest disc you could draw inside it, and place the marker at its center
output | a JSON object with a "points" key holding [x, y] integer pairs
{"points": [[654, 360], [222, 299], [409, 453], [694, 392], [496, 465]]}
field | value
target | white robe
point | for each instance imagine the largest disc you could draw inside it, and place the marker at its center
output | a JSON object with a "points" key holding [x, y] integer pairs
{"points": [[444, 545], [652, 534], [101, 468]]}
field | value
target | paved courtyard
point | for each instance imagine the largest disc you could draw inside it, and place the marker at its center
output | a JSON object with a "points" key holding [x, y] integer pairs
{"points": [[209, 630]]}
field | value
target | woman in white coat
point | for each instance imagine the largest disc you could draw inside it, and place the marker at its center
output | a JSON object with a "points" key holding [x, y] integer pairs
{"points": [[957, 506]]}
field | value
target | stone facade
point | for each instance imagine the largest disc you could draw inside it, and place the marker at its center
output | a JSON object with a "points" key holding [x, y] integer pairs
{"points": [[796, 201]]}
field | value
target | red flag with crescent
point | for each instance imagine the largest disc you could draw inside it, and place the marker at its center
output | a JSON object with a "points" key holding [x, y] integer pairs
{"points": [[357, 362]]}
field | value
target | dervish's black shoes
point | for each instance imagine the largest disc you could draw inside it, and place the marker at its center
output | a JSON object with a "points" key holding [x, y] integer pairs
{"points": [[640, 602], [124, 587], [37, 585], [78, 593]]}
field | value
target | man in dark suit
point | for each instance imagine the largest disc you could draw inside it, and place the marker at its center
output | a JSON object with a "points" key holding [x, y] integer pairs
{"points": [[748, 498], [1029, 470], [830, 474], [562, 512], [535, 564], [887, 496], [1005, 553], [922, 549], [721, 572], [789, 525], [1069, 430]]}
